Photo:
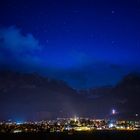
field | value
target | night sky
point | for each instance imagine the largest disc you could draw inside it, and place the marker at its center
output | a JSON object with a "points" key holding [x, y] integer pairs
{"points": [[90, 45], [87, 43]]}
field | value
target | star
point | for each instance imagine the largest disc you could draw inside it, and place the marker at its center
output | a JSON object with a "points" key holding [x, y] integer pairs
{"points": [[47, 41], [113, 12], [113, 42]]}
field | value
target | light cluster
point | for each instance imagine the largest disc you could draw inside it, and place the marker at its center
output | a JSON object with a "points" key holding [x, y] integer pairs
{"points": [[68, 125]]}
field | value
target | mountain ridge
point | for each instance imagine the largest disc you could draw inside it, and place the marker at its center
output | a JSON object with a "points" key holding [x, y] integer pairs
{"points": [[35, 94]]}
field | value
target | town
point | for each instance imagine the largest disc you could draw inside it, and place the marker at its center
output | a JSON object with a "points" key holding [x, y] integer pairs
{"points": [[69, 125]]}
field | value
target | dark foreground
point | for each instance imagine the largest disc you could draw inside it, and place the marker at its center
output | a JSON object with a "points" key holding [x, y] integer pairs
{"points": [[95, 135]]}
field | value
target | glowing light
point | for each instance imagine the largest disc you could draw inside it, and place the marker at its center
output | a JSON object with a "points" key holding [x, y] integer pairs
{"points": [[113, 111], [75, 119], [137, 115], [19, 122], [82, 128], [17, 131], [111, 125], [68, 128]]}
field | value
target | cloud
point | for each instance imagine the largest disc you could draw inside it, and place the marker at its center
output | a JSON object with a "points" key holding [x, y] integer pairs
{"points": [[14, 40], [17, 49], [23, 52]]}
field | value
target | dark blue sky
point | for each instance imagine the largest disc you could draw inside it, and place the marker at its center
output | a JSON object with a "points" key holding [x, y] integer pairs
{"points": [[87, 43]]}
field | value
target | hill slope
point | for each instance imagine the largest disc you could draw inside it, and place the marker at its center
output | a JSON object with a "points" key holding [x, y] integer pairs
{"points": [[31, 96]]}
